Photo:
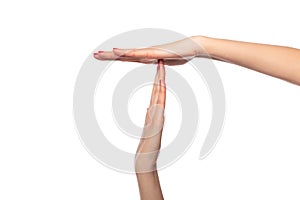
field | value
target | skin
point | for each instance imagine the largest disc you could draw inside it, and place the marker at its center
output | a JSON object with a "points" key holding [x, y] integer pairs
{"points": [[277, 61], [148, 149]]}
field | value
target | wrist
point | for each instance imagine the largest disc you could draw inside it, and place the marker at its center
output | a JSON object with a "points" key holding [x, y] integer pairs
{"points": [[207, 46], [204, 43]]}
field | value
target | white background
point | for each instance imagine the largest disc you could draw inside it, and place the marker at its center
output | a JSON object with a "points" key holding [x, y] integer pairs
{"points": [[43, 45]]}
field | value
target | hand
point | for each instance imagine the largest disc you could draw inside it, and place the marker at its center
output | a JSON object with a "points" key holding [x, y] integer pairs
{"points": [[175, 53], [148, 149]]}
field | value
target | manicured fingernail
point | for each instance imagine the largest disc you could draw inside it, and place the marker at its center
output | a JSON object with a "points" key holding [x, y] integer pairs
{"points": [[100, 51], [95, 54]]}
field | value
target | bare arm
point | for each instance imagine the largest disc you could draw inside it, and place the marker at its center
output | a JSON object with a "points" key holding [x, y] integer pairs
{"points": [[148, 149], [278, 61]]}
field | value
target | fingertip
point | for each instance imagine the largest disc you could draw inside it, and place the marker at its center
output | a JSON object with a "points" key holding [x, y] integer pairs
{"points": [[160, 65], [115, 51], [160, 62], [119, 52], [95, 55]]}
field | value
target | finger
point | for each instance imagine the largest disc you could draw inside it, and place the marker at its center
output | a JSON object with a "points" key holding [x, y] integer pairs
{"points": [[161, 70], [120, 52], [144, 61], [154, 96], [149, 53], [112, 56], [168, 61], [147, 119], [105, 55], [155, 90], [158, 96], [162, 86], [159, 78], [162, 94]]}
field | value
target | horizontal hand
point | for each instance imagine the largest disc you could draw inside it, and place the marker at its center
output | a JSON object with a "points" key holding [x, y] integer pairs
{"points": [[175, 53]]}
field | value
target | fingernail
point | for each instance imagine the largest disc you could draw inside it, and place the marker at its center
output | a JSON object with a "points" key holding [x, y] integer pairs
{"points": [[115, 48], [158, 66], [100, 51], [95, 54]]}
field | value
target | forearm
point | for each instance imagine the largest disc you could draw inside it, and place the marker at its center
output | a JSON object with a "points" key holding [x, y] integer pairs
{"points": [[149, 186], [277, 61], [145, 166]]}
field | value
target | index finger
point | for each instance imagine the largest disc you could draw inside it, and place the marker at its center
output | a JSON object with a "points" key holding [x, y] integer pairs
{"points": [[159, 88], [162, 84], [146, 53]]}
